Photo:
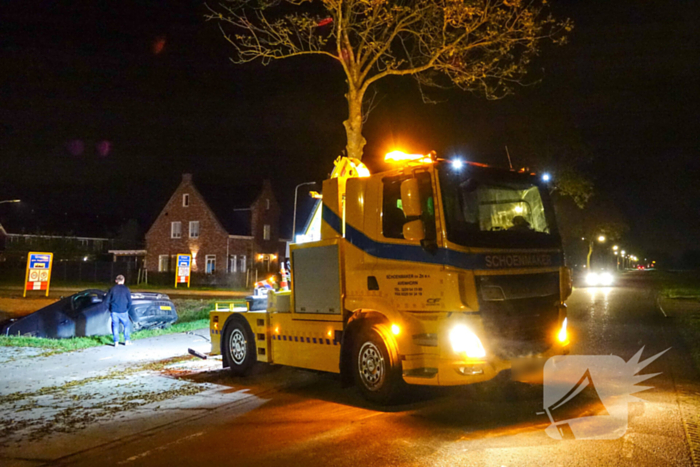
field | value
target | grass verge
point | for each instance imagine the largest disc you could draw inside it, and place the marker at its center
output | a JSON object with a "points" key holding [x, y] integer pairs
{"points": [[690, 330], [685, 288], [192, 314], [684, 284]]}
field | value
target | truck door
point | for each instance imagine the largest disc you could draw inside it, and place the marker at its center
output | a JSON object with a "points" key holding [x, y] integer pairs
{"points": [[408, 267]]}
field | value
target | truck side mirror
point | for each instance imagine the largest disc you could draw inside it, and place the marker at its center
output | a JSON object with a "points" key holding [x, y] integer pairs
{"points": [[410, 198], [413, 230]]}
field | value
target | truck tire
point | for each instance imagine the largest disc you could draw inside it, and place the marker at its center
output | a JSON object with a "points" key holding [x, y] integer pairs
{"points": [[239, 348], [377, 374]]}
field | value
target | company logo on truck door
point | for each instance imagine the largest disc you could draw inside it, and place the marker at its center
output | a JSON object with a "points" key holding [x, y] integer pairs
{"points": [[518, 261]]}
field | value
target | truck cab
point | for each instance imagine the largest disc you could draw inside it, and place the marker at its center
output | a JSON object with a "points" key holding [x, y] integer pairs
{"points": [[431, 273]]}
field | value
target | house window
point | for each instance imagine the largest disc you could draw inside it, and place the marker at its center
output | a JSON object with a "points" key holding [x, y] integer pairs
{"points": [[242, 265], [176, 229], [163, 262], [266, 232], [185, 200], [194, 229], [267, 204], [232, 263], [210, 264]]}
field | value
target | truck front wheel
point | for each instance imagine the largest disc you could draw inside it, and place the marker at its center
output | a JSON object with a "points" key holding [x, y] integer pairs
{"points": [[239, 348], [376, 374]]}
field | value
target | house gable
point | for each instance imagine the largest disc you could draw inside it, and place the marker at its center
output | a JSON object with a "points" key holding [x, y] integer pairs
{"points": [[237, 236], [186, 205]]}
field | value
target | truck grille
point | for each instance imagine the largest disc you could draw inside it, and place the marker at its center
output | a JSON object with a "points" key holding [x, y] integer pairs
{"points": [[520, 313]]}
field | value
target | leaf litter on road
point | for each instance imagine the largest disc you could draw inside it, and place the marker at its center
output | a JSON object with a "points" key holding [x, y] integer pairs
{"points": [[76, 404]]}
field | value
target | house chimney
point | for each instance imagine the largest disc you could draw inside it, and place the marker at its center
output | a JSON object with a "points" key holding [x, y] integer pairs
{"points": [[186, 177]]}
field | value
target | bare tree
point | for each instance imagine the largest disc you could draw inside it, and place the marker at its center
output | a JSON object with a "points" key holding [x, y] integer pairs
{"points": [[475, 45]]}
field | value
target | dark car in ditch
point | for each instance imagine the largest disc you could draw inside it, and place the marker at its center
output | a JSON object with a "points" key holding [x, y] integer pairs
{"points": [[86, 314]]}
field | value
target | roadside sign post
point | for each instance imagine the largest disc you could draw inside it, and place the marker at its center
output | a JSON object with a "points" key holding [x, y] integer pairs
{"points": [[184, 268], [38, 275]]}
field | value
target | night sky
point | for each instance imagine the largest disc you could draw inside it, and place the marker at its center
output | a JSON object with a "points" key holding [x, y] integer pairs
{"points": [[103, 105]]}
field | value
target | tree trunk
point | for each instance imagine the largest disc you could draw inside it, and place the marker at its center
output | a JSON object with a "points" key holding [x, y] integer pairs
{"points": [[590, 252], [353, 125]]}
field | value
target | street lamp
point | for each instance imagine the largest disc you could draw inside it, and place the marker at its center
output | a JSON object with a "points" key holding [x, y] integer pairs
{"points": [[622, 261], [294, 217], [615, 248], [10, 201], [601, 239]]}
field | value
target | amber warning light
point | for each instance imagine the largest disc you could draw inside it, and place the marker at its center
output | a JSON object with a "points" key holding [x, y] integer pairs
{"points": [[402, 157]]}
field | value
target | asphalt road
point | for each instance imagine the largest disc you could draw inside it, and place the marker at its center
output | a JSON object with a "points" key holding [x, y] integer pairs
{"points": [[300, 418]]}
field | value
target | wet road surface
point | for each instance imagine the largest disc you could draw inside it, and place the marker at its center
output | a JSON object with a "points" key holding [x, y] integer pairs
{"points": [[302, 418]]}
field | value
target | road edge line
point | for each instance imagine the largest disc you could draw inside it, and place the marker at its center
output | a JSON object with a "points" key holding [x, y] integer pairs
{"points": [[658, 304]]}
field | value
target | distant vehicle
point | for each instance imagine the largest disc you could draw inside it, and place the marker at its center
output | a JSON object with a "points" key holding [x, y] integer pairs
{"points": [[641, 268], [86, 314], [602, 278]]}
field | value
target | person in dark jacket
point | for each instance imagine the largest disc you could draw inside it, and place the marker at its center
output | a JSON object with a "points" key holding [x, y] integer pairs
{"points": [[118, 302]]}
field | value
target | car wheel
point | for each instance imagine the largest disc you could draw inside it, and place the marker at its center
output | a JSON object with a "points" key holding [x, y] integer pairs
{"points": [[239, 348], [377, 374]]}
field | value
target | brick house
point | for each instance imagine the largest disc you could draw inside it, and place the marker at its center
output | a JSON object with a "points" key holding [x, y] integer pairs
{"points": [[227, 230]]}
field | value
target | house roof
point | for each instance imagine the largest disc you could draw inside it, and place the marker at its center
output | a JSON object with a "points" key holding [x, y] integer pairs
{"points": [[71, 209], [230, 204], [29, 219]]}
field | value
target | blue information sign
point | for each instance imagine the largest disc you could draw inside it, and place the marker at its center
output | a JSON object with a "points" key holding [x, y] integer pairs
{"points": [[184, 266], [39, 261], [38, 272]]}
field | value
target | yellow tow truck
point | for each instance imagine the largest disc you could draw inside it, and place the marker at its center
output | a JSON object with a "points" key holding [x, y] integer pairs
{"points": [[435, 272]]}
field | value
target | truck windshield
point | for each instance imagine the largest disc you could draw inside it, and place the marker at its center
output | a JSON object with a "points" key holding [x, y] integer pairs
{"points": [[494, 208]]}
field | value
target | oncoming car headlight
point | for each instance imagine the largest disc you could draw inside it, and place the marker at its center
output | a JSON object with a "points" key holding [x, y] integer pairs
{"points": [[592, 278], [465, 341], [606, 278]]}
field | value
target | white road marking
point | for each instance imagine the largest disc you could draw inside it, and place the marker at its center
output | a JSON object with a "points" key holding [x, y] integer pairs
{"points": [[658, 303], [160, 448]]}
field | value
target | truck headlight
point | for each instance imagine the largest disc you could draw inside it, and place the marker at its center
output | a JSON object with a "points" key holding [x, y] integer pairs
{"points": [[465, 341]]}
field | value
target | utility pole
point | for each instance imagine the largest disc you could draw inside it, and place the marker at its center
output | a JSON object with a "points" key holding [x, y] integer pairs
{"points": [[294, 218]]}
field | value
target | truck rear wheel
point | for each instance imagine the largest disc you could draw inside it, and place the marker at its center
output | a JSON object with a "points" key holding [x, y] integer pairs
{"points": [[377, 374], [239, 348]]}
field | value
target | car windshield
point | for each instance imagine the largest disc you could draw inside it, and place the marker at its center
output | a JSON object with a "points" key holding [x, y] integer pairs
{"points": [[485, 209]]}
